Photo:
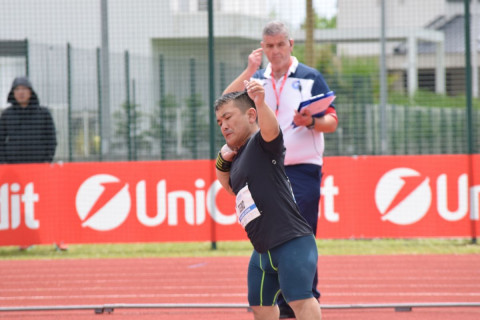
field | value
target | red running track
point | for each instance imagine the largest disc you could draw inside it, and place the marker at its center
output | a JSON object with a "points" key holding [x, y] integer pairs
{"points": [[343, 280]]}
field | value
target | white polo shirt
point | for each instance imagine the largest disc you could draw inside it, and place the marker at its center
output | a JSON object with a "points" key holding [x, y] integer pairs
{"points": [[302, 82]]}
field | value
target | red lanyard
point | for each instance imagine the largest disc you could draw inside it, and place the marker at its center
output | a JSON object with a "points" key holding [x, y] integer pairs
{"points": [[277, 95]]}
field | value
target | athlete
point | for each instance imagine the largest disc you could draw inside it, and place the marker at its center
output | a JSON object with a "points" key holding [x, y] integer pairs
{"points": [[288, 82], [251, 166]]}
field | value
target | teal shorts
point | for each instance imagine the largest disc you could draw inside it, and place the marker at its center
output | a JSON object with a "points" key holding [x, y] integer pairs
{"points": [[288, 268]]}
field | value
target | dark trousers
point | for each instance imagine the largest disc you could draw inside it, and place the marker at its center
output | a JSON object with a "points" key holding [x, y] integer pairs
{"points": [[305, 180]]}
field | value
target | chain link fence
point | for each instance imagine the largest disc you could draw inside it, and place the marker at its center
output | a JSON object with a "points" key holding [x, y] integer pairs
{"points": [[157, 105]]}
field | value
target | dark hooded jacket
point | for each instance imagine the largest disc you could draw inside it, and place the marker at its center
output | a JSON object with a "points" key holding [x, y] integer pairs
{"points": [[27, 134]]}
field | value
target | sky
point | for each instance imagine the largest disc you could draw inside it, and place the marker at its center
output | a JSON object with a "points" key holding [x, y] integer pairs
{"points": [[294, 10]]}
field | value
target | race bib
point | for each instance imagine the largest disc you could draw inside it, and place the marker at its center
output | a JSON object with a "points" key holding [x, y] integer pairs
{"points": [[245, 206]]}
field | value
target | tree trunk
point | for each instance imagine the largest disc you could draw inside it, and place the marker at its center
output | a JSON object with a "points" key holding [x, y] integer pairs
{"points": [[309, 27]]}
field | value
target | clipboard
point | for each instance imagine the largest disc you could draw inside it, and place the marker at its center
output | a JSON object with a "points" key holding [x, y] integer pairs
{"points": [[318, 104]]}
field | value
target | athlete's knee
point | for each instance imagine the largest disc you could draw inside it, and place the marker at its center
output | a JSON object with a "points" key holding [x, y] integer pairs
{"points": [[265, 313], [306, 309]]}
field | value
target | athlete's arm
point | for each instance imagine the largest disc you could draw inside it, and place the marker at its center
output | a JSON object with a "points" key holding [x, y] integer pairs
{"points": [[224, 176], [267, 121]]}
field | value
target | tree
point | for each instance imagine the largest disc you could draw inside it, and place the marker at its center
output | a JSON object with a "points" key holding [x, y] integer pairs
{"points": [[197, 125], [128, 128], [162, 124], [309, 28]]}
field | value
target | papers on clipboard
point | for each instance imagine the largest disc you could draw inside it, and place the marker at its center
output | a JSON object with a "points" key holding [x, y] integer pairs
{"points": [[318, 104]]}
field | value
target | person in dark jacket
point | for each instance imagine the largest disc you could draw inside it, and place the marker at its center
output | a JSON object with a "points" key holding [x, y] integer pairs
{"points": [[27, 130]]}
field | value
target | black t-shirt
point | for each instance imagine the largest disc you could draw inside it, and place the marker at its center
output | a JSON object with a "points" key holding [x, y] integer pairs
{"points": [[259, 164]]}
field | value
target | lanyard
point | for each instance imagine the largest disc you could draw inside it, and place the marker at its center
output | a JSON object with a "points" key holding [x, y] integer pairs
{"points": [[277, 95]]}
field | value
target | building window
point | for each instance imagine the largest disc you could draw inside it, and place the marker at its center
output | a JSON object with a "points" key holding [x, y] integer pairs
{"points": [[202, 5]]}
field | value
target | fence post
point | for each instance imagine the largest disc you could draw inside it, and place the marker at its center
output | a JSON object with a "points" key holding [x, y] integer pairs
{"points": [[162, 106], [211, 72], [127, 104], [374, 133], [99, 102], [394, 136], [27, 59], [468, 88], [193, 109], [223, 81], [405, 129], [420, 131], [383, 83], [430, 138], [105, 79], [133, 110], [444, 148], [69, 101]]}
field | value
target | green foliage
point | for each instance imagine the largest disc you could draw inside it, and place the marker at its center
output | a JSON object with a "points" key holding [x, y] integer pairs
{"points": [[196, 125], [323, 22], [299, 52], [430, 99], [162, 124], [194, 101], [127, 123]]}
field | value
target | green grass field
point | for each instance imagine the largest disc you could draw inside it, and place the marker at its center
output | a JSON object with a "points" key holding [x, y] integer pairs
{"points": [[241, 248]]}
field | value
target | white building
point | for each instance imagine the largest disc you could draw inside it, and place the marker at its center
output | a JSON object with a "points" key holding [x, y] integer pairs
{"points": [[441, 22], [64, 36]]}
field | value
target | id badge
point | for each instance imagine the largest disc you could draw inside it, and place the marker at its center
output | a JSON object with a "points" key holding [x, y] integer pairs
{"points": [[245, 206]]}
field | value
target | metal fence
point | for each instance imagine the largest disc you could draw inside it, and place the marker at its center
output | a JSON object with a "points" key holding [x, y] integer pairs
{"points": [[158, 104]]}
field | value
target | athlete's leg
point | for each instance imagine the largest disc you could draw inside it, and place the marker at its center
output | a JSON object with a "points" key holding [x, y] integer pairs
{"points": [[265, 313], [297, 263], [263, 287], [306, 309]]}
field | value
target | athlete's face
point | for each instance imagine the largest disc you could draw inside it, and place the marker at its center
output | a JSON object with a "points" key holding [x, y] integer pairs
{"points": [[278, 49], [235, 124]]}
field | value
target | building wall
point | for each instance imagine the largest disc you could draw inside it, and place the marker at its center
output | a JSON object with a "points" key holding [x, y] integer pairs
{"points": [[132, 24], [355, 16]]}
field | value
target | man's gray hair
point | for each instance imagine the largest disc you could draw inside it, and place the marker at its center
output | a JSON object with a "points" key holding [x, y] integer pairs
{"points": [[274, 28]]}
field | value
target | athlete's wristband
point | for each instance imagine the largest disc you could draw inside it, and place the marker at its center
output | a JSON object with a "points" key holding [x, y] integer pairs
{"points": [[222, 164]]}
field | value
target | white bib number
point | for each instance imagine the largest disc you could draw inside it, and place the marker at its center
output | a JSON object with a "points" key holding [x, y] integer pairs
{"points": [[245, 206]]}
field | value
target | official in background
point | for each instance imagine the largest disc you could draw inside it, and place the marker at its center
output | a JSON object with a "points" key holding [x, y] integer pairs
{"points": [[27, 130], [287, 82]]}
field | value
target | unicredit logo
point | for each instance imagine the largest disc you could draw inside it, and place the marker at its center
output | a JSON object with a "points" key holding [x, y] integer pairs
{"points": [[403, 196], [103, 202]]}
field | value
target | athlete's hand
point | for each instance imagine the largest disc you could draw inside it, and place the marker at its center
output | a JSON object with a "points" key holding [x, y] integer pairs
{"points": [[255, 91], [227, 153]]}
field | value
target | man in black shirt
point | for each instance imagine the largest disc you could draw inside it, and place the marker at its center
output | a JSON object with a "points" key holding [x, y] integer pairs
{"points": [[251, 166]]}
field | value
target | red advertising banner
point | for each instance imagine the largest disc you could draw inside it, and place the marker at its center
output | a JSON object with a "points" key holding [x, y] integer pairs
{"points": [[159, 201], [400, 196]]}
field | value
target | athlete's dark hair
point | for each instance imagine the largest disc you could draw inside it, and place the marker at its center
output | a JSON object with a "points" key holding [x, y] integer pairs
{"points": [[241, 99]]}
